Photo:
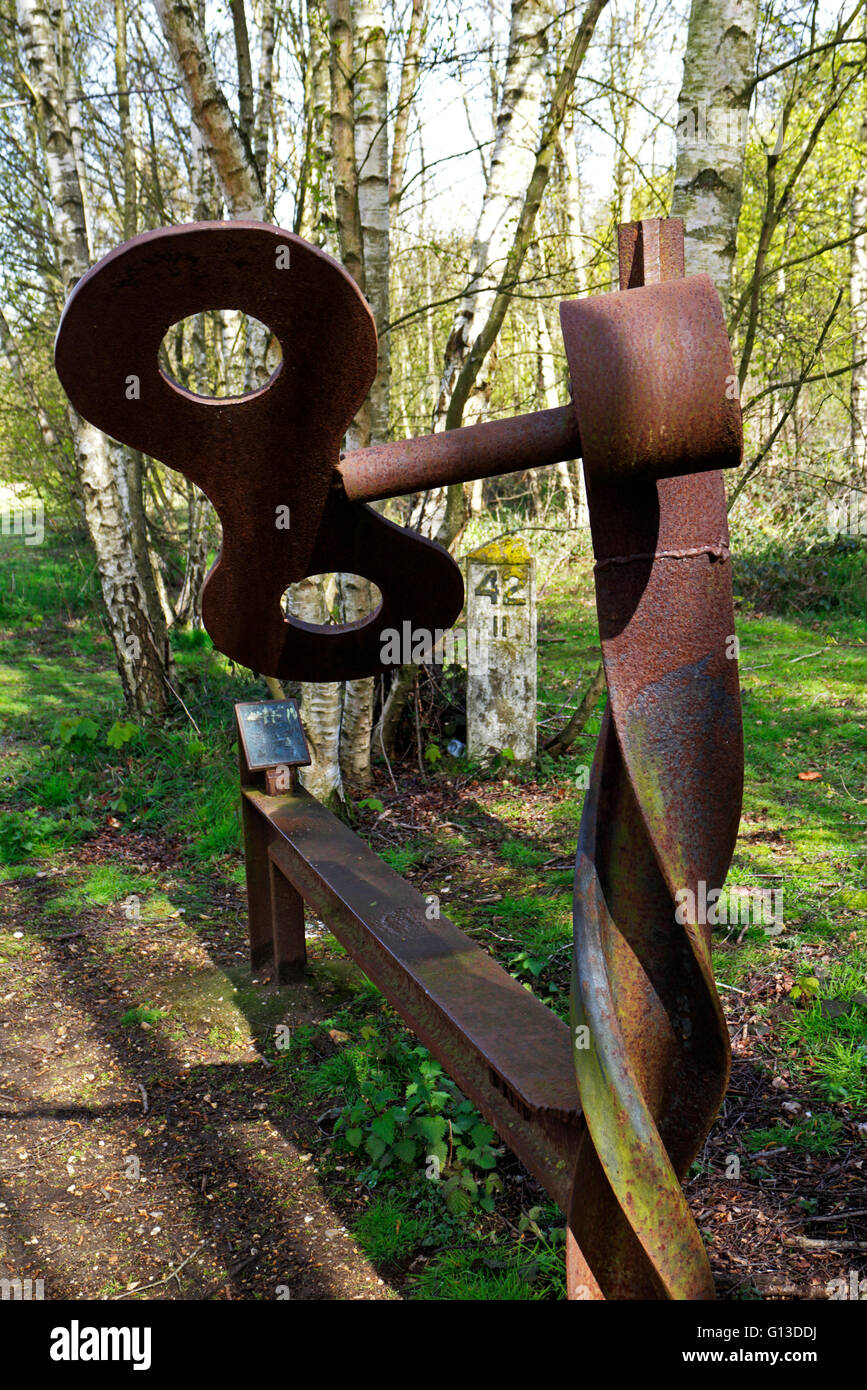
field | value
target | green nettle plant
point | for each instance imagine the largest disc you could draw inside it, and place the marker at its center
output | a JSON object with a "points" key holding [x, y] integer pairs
{"points": [[406, 1115], [19, 835], [81, 735]]}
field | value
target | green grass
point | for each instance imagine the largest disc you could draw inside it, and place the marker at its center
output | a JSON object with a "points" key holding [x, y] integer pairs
{"points": [[403, 857], [803, 677], [539, 922], [144, 1013], [526, 1273], [390, 1230], [516, 852], [826, 1036], [102, 885], [60, 697], [815, 1134]]}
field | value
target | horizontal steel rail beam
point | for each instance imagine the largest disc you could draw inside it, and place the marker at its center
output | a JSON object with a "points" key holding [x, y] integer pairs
{"points": [[508, 1053]]}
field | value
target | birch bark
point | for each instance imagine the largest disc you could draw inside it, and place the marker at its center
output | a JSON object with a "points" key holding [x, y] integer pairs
{"points": [[360, 131], [519, 121], [524, 145], [713, 110], [136, 628], [408, 83], [316, 216], [858, 311], [202, 525], [547, 388], [238, 176]]}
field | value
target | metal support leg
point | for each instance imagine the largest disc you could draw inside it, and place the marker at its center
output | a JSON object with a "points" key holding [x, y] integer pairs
{"points": [[258, 866], [287, 919]]}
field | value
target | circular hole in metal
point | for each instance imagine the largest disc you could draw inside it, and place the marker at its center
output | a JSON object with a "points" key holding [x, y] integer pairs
{"points": [[332, 601], [220, 354]]}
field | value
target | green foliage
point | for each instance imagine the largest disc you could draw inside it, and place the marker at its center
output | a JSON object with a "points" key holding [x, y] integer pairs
{"points": [[528, 968], [19, 835], [520, 1273], [58, 789], [402, 857], [815, 1134], [120, 733], [145, 1013], [822, 574], [403, 1113], [805, 987], [25, 834], [389, 1230], [75, 729]]}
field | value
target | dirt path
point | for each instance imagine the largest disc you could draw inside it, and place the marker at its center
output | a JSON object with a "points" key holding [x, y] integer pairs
{"points": [[150, 1149], [156, 1159]]}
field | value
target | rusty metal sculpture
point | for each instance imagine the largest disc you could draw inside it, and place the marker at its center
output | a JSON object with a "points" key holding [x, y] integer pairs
{"points": [[655, 417]]}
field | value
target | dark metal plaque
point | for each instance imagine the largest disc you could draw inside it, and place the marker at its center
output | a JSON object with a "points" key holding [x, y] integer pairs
{"points": [[272, 734]]}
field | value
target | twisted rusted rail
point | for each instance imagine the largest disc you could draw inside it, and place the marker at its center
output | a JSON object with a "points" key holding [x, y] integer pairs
{"points": [[655, 417], [661, 813]]}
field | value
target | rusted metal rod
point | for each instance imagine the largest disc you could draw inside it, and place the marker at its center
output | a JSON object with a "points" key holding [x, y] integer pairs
{"points": [[458, 456], [653, 396]]}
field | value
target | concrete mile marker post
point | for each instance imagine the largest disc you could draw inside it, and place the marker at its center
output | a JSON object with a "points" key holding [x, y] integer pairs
{"points": [[501, 651]]}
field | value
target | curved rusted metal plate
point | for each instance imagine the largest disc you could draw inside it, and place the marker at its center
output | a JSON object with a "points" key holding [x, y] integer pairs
{"points": [[653, 381], [272, 449]]}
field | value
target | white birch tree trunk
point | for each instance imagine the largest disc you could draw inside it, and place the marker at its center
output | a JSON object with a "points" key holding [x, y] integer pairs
{"points": [[549, 395], [858, 312], [202, 523], [632, 116], [317, 218], [713, 110], [264, 98], [626, 44], [370, 113], [408, 83], [573, 212], [524, 148], [370, 102], [232, 161], [519, 120], [321, 704], [136, 629], [517, 127]]}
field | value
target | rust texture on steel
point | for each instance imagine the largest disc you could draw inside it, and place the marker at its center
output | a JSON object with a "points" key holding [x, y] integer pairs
{"points": [[508, 1052], [277, 447], [457, 456], [655, 416], [661, 814], [652, 397]]}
